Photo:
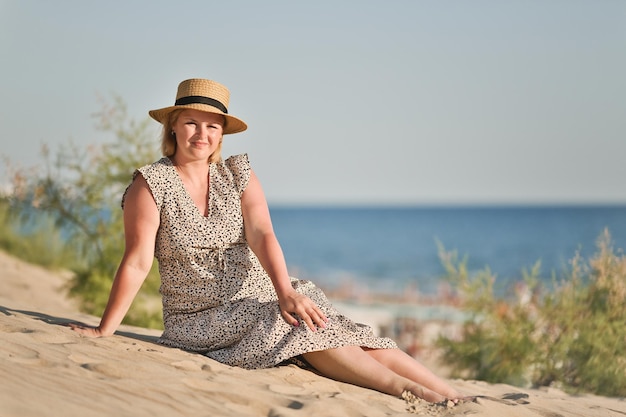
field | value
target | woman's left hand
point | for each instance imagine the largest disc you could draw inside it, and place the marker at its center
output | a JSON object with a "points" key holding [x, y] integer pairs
{"points": [[303, 307]]}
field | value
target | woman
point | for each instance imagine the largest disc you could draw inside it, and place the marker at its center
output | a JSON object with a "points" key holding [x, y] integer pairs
{"points": [[224, 282]]}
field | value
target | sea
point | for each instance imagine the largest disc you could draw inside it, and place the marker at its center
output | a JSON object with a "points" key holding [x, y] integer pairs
{"points": [[390, 249]]}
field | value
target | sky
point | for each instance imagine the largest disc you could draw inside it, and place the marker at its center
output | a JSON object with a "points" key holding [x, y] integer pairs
{"points": [[401, 102]]}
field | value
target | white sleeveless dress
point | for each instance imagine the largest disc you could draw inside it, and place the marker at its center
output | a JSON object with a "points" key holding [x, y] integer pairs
{"points": [[217, 298]]}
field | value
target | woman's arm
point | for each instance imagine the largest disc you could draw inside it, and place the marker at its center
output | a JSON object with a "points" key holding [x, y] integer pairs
{"points": [[141, 222], [262, 240]]}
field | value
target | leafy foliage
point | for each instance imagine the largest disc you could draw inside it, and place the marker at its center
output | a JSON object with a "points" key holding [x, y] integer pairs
{"points": [[573, 335], [40, 243], [79, 192]]}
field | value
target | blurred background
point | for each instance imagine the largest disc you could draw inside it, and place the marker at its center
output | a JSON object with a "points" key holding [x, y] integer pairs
{"points": [[378, 129]]}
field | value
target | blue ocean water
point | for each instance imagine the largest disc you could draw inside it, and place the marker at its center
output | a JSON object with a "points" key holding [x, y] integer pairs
{"points": [[386, 249]]}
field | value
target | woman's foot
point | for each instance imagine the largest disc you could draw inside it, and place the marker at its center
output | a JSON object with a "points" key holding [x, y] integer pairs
{"points": [[433, 397], [457, 397], [425, 394]]}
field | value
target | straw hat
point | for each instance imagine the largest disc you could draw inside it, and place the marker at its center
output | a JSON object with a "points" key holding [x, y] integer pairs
{"points": [[203, 95]]}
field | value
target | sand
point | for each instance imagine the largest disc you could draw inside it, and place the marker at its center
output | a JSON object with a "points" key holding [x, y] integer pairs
{"points": [[48, 370]]}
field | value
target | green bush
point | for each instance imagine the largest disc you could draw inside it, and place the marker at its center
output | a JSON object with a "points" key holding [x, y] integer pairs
{"points": [[572, 335], [40, 243], [72, 201]]}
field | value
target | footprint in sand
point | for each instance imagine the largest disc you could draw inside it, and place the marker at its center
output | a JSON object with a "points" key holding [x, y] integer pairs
{"points": [[286, 389], [202, 384], [187, 365], [514, 398], [19, 353], [518, 397], [109, 370]]}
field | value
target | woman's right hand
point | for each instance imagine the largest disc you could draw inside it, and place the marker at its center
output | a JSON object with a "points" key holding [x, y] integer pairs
{"points": [[89, 331]]}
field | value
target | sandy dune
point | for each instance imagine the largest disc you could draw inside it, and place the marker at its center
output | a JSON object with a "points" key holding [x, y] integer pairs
{"points": [[47, 370]]}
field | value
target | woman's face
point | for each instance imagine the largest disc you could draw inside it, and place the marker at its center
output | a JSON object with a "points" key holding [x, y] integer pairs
{"points": [[198, 133]]}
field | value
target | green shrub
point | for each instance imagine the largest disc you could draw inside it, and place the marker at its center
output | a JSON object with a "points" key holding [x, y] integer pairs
{"points": [[40, 243], [572, 335], [73, 199]]}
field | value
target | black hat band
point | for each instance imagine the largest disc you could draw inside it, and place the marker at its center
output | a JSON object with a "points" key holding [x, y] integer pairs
{"points": [[201, 100]]}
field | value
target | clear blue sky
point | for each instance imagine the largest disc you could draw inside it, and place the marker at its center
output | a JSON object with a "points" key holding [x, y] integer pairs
{"points": [[348, 102]]}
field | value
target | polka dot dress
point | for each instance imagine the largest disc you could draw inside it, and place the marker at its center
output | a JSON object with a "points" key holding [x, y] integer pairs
{"points": [[217, 298]]}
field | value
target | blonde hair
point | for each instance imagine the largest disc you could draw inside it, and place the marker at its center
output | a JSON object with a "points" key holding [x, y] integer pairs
{"points": [[168, 140]]}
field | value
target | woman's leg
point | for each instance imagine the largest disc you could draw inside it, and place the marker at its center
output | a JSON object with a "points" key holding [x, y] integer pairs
{"points": [[406, 366], [354, 365]]}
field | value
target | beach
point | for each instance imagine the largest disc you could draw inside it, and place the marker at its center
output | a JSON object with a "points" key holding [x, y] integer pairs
{"points": [[48, 370]]}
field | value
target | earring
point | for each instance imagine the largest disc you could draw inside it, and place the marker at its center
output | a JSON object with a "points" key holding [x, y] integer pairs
{"points": [[173, 133]]}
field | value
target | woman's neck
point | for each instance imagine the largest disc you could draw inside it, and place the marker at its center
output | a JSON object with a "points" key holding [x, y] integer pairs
{"points": [[197, 169]]}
